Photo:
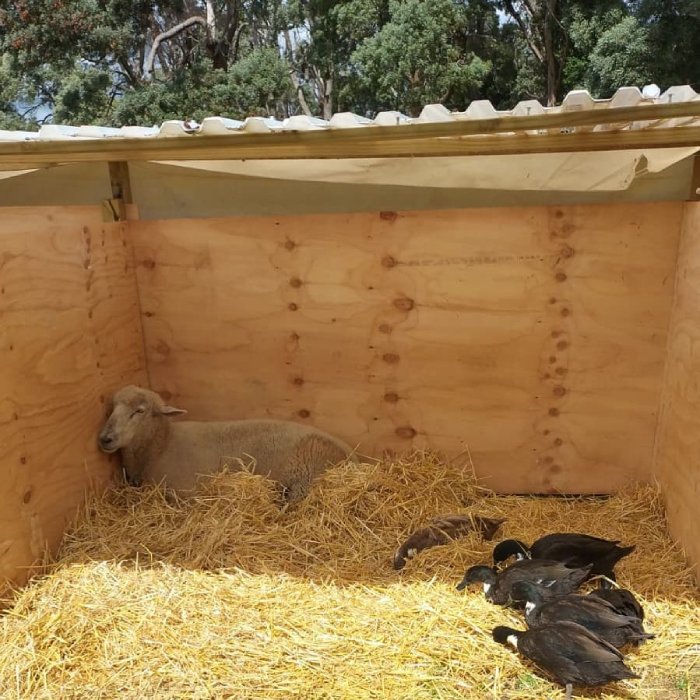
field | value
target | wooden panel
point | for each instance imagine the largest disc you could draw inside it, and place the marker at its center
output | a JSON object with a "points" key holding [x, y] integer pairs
{"points": [[70, 333], [536, 336], [677, 453], [487, 136]]}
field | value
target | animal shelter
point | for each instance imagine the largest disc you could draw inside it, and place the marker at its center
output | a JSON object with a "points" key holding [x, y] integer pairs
{"points": [[519, 291]]}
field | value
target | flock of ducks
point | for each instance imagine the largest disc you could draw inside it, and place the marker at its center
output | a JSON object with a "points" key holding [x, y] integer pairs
{"points": [[574, 638]]}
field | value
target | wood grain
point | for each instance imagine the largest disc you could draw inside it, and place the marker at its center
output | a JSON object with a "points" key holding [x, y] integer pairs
{"points": [[70, 335], [331, 144], [486, 136], [677, 453], [536, 336]]}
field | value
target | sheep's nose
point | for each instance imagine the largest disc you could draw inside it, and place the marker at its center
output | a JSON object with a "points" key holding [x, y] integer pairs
{"points": [[106, 441]]}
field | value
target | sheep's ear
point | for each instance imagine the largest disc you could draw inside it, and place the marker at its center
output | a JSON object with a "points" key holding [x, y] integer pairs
{"points": [[171, 411]]}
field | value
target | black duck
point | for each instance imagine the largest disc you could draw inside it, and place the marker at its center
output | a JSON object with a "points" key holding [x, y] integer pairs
{"points": [[595, 614], [573, 549], [553, 575], [569, 653]]}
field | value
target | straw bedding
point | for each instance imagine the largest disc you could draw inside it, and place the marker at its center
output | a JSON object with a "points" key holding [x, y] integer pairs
{"points": [[226, 596]]}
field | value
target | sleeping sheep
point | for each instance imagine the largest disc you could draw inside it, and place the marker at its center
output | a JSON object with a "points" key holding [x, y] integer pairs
{"points": [[154, 448]]}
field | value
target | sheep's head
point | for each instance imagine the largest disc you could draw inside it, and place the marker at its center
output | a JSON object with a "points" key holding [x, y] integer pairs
{"points": [[133, 418]]}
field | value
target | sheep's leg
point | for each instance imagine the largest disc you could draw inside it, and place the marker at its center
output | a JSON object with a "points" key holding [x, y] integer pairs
{"points": [[296, 491]]}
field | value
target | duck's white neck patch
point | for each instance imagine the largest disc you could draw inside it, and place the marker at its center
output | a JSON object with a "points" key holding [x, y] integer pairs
{"points": [[519, 556], [529, 607], [512, 639], [487, 587]]}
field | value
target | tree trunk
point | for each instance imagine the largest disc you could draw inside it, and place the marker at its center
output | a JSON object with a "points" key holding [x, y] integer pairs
{"points": [[550, 54], [163, 36], [328, 98], [298, 89]]}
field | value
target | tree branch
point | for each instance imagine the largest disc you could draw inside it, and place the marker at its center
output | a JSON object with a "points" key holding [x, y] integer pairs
{"points": [[211, 20], [328, 98], [232, 24], [123, 61], [234, 42], [148, 68], [523, 28], [300, 94], [298, 88]]}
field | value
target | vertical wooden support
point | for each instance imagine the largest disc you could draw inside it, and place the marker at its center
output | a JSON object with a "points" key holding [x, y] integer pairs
{"points": [[694, 195], [115, 209]]}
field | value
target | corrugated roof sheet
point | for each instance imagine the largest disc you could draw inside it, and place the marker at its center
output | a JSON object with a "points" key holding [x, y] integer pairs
{"points": [[577, 100]]}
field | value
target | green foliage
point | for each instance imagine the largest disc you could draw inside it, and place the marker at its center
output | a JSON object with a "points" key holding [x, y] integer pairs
{"points": [[673, 28], [621, 56], [116, 62], [585, 27], [9, 91], [252, 87], [85, 91], [416, 59]]}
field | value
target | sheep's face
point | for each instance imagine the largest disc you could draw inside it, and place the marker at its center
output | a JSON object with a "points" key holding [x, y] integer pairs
{"points": [[131, 420]]}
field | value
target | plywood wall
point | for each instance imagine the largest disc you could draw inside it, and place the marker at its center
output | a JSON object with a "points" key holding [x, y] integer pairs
{"points": [[535, 336], [69, 334], [677, 454]]}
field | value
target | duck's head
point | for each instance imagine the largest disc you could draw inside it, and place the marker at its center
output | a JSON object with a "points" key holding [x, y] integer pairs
{"points": [[527, 592], [506, 635], [510, 548], [477, 574]]}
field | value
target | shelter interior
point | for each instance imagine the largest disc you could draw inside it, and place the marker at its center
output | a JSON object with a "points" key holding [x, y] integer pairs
{"points": [[550, 327]]}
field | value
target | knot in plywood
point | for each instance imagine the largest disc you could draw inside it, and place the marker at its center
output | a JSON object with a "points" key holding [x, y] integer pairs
{"points": [[567, 252], [404, 303], [406, 432]]}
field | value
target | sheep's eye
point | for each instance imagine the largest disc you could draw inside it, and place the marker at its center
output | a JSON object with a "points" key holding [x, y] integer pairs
{"points": [[138, 410]]}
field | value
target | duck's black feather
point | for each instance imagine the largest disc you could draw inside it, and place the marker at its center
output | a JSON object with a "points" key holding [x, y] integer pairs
{"points": [[622, 600], [595, 614], [570, 653], [574, 549]]}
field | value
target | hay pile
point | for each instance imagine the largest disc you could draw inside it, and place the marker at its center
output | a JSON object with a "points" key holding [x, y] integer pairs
{"points": [[227, 597]]}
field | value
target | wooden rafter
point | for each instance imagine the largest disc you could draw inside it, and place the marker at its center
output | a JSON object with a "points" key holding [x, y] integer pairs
{"points": [[560, 132]]}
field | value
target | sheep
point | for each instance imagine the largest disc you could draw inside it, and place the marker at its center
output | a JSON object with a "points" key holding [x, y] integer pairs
{"points": [[156, 449]]}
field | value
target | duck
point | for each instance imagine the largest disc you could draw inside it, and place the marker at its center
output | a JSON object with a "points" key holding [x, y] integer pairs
{"points": [[571, 548], [555, 576], [595, 614], [569, 653], [621, 599]]}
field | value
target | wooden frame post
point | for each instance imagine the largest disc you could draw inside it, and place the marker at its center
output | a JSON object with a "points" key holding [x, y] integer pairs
{"points": [[115, 208], [694, 195]]}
